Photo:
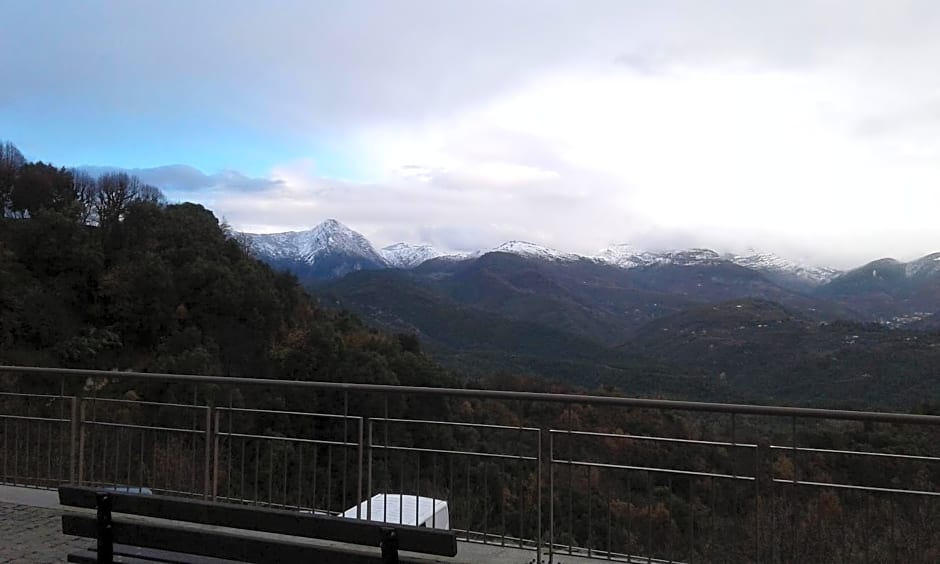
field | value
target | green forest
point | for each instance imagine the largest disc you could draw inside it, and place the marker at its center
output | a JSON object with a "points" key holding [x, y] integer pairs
{"points": [[103, 273]]}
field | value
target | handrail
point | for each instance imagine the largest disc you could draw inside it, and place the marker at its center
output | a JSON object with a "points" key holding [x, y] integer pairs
{"points": [[742, 409]]}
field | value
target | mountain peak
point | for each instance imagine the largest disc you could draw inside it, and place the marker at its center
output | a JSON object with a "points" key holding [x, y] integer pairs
{"points": [[405, 255], [328, 250], [627, 256], [624, 255], [332, 225], [532, 250], [924, 266], [774, 264]]}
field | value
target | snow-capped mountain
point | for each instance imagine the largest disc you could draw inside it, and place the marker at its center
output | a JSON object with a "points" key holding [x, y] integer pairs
{"points": [[628, 256], [329, 250], [690, 257], [924, 266], [330, 236], [332, 250], [773, 264], [781, 270], [403, 255], [531, 250], [625, 255]]}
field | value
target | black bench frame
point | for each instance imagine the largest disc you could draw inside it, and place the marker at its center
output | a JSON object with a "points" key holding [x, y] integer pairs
{"points": [[132, 541]]}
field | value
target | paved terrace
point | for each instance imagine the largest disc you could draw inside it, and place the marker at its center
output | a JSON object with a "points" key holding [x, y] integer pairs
{"points": [[31, 531]]}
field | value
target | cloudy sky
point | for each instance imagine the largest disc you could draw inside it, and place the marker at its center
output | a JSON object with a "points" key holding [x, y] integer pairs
{"points": [[807, 128]]}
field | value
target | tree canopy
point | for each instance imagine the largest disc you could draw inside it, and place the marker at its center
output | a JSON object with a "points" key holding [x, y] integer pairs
{"points": [[103, 273]]}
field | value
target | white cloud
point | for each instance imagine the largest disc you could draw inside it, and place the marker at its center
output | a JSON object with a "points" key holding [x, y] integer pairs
{"points": [[723, 157], [808, 128]]}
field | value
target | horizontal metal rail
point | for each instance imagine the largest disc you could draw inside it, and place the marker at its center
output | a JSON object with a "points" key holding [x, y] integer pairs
{"points": [[288, 439], [873, 489], [279, 412], [740, 409], [94, 399], [565, 432], [32, 418], [456, 424], [857, 453], [144, 427], [456, 452], [653, 469], [45, 396]]}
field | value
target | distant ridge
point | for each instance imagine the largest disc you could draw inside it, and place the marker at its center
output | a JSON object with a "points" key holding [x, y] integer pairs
{"points": [[332, 250]]}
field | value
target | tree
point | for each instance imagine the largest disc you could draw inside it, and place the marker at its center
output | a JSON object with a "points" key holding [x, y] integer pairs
{"points": [[11, 160], [85, 188], [116, 191], [39, 186]]}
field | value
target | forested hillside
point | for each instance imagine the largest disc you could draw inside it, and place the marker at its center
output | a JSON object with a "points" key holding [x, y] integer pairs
{"points": [[714, 332], [102, 273]]}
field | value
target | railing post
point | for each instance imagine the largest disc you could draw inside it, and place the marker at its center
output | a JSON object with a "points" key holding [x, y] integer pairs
{"points": [[215, 451], [81, 438], [763, 482], [551, 496], [208, 488], [73, 437], [362, 421], [538, 500], [369, 470]]}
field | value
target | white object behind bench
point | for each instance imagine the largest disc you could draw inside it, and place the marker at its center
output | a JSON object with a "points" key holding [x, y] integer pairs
{"points": [[404, 509]]}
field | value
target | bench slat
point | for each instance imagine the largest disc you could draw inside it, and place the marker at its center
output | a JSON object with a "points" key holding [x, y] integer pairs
{"points": [[151, 555], [166, 556], [263, 519], [91, 557], [220, 544]]}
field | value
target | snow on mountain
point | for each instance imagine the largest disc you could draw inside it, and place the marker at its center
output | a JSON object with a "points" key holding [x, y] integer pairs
{"points": [[531, 250], [769, 262], [335, 249], [627, 256], [690, 257], [328, 238], [924, 266], [403, 255]]}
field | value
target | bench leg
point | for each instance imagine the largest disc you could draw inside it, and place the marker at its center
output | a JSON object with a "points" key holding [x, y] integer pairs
{"points": [[389, 546], [105, 532]]}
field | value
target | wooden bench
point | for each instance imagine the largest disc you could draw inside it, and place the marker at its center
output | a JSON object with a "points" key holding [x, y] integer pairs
{"points": [[176, 540]]}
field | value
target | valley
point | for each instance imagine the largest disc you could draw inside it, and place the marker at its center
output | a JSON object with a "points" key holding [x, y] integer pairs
{"points": [[691, 324]]}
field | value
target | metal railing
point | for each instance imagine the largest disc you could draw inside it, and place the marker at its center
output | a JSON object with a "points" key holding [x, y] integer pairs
{"points": [[603, 477]]}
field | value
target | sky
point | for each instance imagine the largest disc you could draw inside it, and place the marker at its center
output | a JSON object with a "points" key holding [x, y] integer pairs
{"points": [[806, 128]]}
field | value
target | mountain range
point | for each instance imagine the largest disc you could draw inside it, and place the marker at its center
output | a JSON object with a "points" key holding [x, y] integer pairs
{"points": [[332, 250], [728, 326], [884, 290]]}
